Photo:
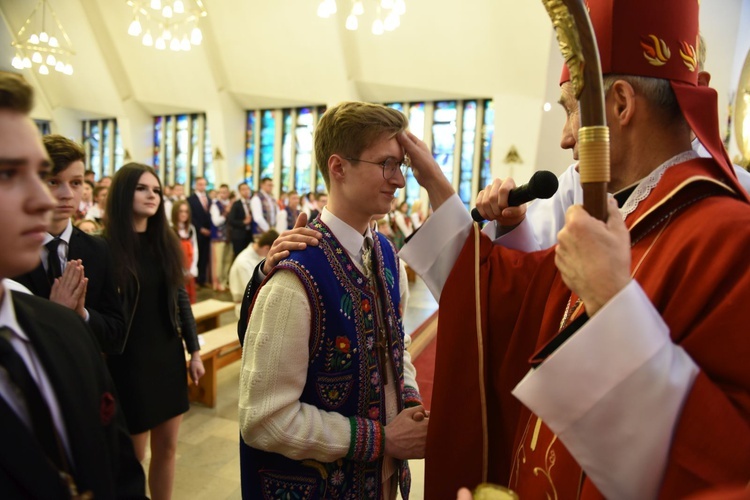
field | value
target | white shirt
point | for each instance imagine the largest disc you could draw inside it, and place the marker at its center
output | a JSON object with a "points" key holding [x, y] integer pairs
{"points": [[22, 344], [274, 367], [241, 271], [637, 379], [256, 206]]}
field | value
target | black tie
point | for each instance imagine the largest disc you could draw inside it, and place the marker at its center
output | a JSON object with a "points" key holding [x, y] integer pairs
{"points": [[53, 260], [41, 419]]}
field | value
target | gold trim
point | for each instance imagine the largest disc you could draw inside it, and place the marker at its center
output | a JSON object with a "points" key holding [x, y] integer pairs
{"points": [[569, 42]]}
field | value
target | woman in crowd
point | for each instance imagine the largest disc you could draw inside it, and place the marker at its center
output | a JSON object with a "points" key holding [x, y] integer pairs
{"points": [[150, 374], [189, 243]]}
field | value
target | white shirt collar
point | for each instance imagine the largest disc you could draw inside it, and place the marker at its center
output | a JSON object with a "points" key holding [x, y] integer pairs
{"points": [[65, 236], [349, 237], [8, 316]]}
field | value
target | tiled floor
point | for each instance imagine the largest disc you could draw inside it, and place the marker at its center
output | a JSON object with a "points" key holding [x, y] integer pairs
{"points": [[207, 453]]}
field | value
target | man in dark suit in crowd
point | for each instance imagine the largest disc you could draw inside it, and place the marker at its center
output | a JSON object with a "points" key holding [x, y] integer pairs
{"points": [[240, 220], [62, 431], [199, 208], [76, 268]]}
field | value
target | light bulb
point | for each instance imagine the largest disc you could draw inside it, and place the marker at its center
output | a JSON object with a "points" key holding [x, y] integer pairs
{"points": [[68, 69], [26, 62], [51, 61], [377, 27], [358, 9], [178, 7], [60, 67], [34, 38], [332, 6], [43, 70], [196, 37], [156, 4], [17, 62], [351, 22], [167, 12], [391, 22], [148, 40], [135, 28], [185, 43], [36, 57], [166, 35], [53, 42], [160, 44], [399, 7], [323, 10], [386, 4], [43, 37], [175, 45]]}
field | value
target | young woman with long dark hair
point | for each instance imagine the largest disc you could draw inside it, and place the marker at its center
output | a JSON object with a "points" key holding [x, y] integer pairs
{"points": [[150, 374]]}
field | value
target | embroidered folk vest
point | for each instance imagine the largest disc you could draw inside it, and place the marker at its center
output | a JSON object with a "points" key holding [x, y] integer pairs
{"points": [[344, 373]]}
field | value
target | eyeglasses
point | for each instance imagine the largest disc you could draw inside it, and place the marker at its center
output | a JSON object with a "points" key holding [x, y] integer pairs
{"points": [[389, 166]]}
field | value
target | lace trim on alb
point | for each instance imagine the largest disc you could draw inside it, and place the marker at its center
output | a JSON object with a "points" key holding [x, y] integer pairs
{"points": [[649, 182]]}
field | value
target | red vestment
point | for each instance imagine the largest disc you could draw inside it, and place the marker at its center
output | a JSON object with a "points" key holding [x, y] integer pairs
{"points": [[690, 245]]}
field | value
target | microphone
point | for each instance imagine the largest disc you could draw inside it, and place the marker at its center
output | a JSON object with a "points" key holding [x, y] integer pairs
{"points": [[543, 184]]}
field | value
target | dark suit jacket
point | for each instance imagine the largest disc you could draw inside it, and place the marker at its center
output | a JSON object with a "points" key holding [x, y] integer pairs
{"points": [[105, 311], [239, 234], [201, 217], [102, 452], [248, 300]]}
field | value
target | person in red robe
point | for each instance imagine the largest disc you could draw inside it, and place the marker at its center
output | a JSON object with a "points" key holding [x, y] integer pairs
{"points": [[611, 366]]}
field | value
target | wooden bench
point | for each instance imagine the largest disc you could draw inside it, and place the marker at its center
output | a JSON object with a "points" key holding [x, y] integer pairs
{"points": [[207, 312], [219, 347]]}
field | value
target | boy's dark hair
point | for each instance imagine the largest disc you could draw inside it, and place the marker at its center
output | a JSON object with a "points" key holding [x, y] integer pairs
{"points": [[15, 93], [62, 152]]}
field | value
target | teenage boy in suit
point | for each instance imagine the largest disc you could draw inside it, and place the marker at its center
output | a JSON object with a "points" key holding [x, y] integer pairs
{"points": [[76, 268], [60, 424]]}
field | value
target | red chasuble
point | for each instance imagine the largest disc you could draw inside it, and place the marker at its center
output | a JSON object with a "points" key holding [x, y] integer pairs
{"points": [[690, 254]]}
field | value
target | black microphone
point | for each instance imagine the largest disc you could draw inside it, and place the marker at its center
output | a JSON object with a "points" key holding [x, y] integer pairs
{"points": [[543, 184]]}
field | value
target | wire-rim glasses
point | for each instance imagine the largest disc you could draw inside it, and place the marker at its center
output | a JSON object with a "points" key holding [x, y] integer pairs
{"points": [[389, 166]]}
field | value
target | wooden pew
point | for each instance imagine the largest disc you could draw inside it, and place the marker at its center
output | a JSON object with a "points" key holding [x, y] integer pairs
{"points": [[207, 312], [219, 348]]}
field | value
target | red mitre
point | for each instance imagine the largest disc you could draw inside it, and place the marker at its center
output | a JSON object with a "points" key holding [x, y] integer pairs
{"points": [[659, 39]]}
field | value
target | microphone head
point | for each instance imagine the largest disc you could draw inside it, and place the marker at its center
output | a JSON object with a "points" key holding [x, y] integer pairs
{"points": [[543, 184]]}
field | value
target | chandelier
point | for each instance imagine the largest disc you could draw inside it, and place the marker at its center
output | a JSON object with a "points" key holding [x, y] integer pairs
{"points": [[48, 48], [167, 23], [387, 14]]}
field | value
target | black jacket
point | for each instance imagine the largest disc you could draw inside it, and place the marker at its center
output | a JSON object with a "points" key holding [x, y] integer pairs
{"points": [[100, 445], [106, 318], [180, 312]]}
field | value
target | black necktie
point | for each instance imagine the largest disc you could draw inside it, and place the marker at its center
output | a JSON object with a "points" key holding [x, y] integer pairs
{"points": [[41, 419], [54, 270]]}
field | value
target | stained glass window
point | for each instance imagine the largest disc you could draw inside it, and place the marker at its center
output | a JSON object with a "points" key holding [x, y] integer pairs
{"points": [[469, 127], [444, 136], [488, 130], [287, 145], [303, 135], [119, 150], [182, 149], [267, 143], [250, 147], [106, 148], [43, 126], [93, 140], [416, 126]]}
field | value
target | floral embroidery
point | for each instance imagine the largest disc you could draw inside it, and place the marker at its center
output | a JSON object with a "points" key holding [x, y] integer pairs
{"points": [[337, 478], [366, 305], [342, 344]]}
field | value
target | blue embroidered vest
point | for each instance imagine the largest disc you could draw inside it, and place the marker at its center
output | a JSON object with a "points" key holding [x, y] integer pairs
{"points": [[344, 372]]}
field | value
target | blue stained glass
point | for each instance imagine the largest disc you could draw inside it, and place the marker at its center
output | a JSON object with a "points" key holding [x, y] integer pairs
{"points": [[250, 147], [95, 159], [488, 130], [267, 140], [444, 136], [303, 135], [157, 144], [469, 127], [105, 147], [396, 105], [208, 157], [180, 154], [286, 151], [416, 126], [119, 150]]}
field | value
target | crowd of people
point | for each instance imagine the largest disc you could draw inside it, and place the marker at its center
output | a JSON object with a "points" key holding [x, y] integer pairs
{"points": [[577, 358]]}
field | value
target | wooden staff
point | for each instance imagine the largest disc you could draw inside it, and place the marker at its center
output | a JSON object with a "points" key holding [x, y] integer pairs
{"points": [[578, 45]]}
